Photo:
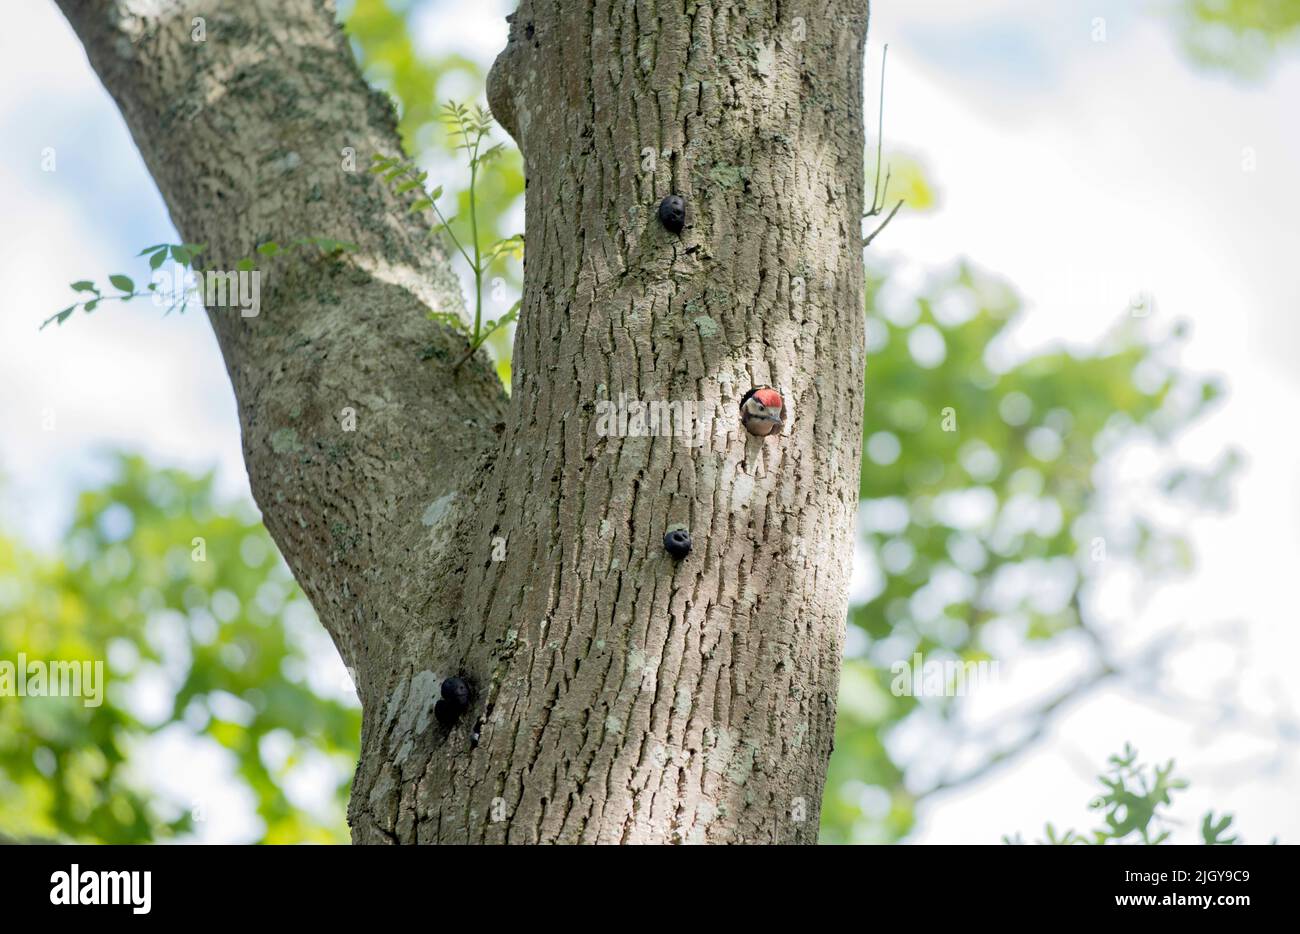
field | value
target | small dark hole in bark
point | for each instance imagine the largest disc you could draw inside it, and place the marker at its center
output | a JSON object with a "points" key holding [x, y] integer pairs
{"points": [[457, 695], [677, 543], [456, 691], [672, 213], [446, 714]]}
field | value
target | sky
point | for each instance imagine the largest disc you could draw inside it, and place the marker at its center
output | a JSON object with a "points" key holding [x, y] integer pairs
{"points": [[1084, 172], [1080, 170]]}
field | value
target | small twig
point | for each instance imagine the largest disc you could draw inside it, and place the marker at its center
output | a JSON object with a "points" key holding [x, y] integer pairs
{"points": [[866, 241], [879, 196], [876, 199], [473, 346], [1036, 723]]}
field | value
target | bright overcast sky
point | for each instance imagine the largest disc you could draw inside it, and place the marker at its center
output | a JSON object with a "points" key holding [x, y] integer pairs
{"points": [[1081, 171]]}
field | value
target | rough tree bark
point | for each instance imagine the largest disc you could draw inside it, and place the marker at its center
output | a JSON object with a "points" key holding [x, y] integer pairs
{"points": [[619, 696]]}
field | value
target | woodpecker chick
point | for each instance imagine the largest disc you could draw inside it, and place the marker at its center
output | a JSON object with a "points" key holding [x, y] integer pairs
{"points": [[677, 542], [762, 411], [672, 213]]}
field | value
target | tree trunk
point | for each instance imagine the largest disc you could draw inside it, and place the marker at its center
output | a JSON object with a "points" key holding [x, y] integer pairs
{"points": [[619, 695]]}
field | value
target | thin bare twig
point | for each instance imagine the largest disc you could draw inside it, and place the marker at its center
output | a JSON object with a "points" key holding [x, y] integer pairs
{"points": [[879, 196], [866, 241]]}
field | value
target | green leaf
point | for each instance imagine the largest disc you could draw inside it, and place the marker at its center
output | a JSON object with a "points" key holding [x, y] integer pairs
{"points": [[122, 283], [85, 285], [450, 319], [92, 305], [59, 316], [330, 245], [1212, 831], [270, 248], [150, 249], [492, 325], [509, 246], [245, 265], [422, 205], [158, 258], [181, 254]]}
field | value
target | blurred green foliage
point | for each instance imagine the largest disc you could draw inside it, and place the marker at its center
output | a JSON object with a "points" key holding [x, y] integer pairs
{"points": [[1243, 37], [204, 636], [980, 506], [1134, 806]]}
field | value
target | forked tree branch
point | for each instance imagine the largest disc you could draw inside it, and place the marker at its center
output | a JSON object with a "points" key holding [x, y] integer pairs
{"points": [[255, 122]]}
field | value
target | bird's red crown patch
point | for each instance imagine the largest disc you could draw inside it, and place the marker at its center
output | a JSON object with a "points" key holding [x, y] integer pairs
{"points": [[769, 397]]}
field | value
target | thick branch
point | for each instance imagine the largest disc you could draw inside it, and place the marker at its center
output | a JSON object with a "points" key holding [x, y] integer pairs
{"points": [[246, 126]]}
